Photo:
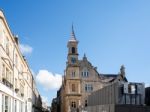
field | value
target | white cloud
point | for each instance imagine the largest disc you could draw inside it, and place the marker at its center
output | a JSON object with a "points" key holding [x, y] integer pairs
{"points": [[147, 85], [25, 49], [49, 80]]}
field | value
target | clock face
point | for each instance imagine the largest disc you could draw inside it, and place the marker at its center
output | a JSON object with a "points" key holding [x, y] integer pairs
{"points": [[73, 60]]}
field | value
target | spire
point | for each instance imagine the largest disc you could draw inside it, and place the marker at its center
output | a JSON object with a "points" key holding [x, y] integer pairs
{"points": [[122, 70], [73, 37]]}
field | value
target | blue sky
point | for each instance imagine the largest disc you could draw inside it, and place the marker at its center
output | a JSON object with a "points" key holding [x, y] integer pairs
{"points": [[111, 33]]}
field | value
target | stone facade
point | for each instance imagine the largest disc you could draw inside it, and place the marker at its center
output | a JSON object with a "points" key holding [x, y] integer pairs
{"points": [[81, 78], [18, 92]]}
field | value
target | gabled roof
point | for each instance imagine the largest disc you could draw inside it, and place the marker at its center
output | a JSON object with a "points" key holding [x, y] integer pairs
{"points": [[109, 75]]}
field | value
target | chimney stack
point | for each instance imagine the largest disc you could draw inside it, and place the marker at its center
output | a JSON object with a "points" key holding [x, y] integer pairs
{"points": [[16, 39]]}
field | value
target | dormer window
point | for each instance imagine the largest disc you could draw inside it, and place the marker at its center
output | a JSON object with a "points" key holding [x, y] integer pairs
{"points": [[85, 73]]}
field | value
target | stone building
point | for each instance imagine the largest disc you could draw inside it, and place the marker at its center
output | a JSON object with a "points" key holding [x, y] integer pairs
{"points": [[17, 87], [81, 78], [54, 107], [36, 98]]}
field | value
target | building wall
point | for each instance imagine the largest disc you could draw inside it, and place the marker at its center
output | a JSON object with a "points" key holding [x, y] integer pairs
{"points": [[131, 108], [118, 93], [15, 75], [36, 99], [92, 80], [147, 96], [118, 108], [81, 95]]}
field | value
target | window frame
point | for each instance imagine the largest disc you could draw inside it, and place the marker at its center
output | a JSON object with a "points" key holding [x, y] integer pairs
{"points": [[88, 87], [85, 73]]}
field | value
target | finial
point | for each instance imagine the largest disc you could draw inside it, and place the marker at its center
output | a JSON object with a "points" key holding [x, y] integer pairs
{"points": [[72, 27], [122, 70], [84, 57], [122, 67], [73, 31]]}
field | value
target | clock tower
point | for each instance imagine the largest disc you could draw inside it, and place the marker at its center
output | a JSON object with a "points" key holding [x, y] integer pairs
{"points": [[72, 77], [72, 50]]}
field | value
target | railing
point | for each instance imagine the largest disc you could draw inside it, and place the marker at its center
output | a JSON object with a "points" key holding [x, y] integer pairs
{"points": [[7, 83]]}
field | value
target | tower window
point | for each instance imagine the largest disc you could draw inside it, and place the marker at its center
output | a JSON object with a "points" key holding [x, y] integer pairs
{"points": [[85, 103], [73, 50], [73, 87], [73, 60], [73, 74], [73, 104]]}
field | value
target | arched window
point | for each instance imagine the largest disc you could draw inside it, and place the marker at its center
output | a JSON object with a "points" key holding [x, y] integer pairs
{"points": [[73, 50]]}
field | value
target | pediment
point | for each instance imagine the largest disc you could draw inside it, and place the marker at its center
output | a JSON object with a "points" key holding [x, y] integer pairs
{"points": [[7, 62]]}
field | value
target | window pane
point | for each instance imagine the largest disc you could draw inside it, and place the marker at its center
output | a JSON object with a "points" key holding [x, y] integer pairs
{"points": [[87, 74], [84, 74], [10, 104], [15, 105], [3, 103], [6, 103]]}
